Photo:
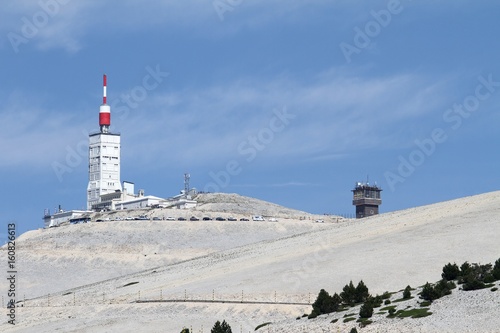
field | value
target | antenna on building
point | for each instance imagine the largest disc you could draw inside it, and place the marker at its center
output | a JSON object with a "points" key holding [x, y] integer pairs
{"points": [[187, 176], [105, 110]]}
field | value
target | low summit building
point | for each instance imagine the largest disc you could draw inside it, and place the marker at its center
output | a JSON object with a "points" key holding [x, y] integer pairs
{"points": [[366, 198]]}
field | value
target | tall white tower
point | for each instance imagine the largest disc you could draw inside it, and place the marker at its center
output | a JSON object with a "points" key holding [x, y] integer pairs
{"points": [[104, 157]]}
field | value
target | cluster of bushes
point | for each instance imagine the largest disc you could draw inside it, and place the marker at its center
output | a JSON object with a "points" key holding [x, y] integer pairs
{"points": [[350, 296], [470, 276], [221, 328], [218, 328], [432, 292]]}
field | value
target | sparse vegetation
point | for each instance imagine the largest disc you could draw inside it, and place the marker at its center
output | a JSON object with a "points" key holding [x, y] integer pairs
{"points": [[450, 272], [440, 289], [472, 276], [425, 303], [496, 270], [348, 294], [387, 308], [407, 293], [325, 303], [361, 294], [354, 330], [262, 325], [366, 310], [364, 322], [413, 313], [313, 314], [221, 328]]}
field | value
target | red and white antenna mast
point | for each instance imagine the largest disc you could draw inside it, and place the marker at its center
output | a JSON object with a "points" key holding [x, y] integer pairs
{"points": [[105, 110]]}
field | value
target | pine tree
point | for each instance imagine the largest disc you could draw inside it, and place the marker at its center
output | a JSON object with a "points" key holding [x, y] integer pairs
{"points": [[496, 270], [217, 328], [325, 303], [221, 328], [450, 272], [366, 310], [348, 294], [407, 293], [361, 292]]}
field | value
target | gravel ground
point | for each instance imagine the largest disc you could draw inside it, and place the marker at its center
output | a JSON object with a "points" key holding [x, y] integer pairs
{"points": [[285, 261]]}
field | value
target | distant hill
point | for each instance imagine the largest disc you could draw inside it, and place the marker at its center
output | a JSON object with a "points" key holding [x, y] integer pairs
{"points": [[237, 204]]}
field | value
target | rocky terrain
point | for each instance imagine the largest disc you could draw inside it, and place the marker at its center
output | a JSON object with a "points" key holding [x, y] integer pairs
{"points": [[158, 276]]}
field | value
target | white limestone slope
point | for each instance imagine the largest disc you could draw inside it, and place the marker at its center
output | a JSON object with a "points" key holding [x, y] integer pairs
{"points": [[290, 263]]}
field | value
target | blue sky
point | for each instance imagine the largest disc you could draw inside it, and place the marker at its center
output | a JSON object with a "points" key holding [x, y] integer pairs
{"points": [[286, 101]]}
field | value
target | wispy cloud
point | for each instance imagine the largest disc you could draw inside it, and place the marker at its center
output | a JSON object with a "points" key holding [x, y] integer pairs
{"points": [[334, 116]]}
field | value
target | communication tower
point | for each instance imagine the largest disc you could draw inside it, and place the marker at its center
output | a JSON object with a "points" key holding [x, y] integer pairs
{"points": [[104, 157]]}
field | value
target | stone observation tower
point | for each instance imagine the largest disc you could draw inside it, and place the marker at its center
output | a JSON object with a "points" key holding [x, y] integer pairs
{"points": [[366, 198]]}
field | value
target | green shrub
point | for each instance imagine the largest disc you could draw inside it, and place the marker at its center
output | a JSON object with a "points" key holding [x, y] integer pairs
{"points": [[313, 314], [361, 293], [414, 313], [489, 278], [348, 294], [354, 330], [392, 311], [325, 303], [444, 287], [221, 328], [261, 325], [185, 330], [334, 321], [407, 293], [471, 283], [366, 310], [428, 293], [440, 289], [496, 270], [387, 301], [386, 295], [450, 272], [376, 301], [494, 289], [465, 268]]}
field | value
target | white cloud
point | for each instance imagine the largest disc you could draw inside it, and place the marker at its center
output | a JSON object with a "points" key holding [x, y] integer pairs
{"points": [[333, 117]]}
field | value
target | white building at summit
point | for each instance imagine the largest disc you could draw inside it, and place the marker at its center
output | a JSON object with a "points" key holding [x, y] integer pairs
{"points": [[104, 157]]}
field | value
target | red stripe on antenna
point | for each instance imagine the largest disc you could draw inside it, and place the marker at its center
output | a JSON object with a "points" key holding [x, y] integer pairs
{"points": [[104, 84]]}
